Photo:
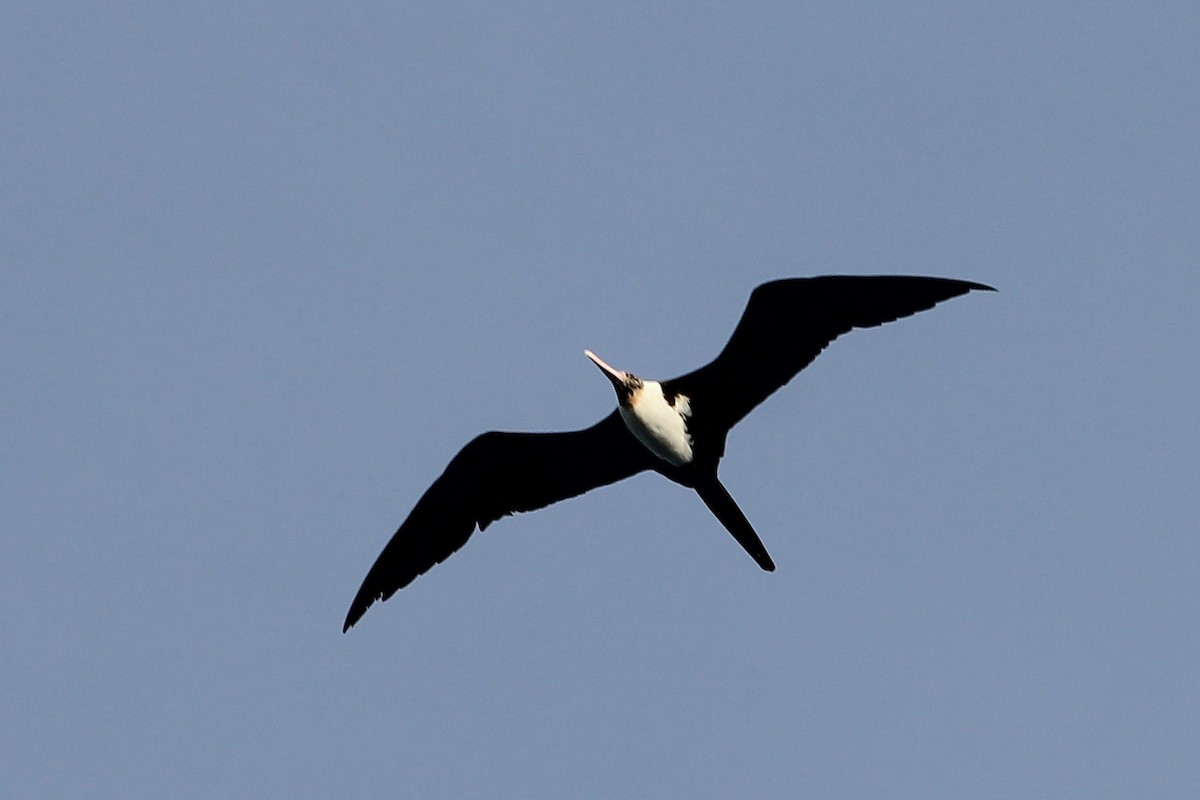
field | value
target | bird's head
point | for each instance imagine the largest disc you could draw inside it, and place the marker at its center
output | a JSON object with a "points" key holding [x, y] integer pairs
{"points": [[626, 383]]}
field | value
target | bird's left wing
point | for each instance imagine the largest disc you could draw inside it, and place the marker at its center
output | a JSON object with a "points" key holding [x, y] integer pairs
{"points": [[496, 474], [788, 322]]}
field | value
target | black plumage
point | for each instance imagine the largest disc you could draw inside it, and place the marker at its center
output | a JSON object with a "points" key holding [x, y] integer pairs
{"points": [[786, 324]]}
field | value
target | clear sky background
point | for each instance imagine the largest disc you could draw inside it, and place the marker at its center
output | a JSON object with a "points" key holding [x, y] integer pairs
{"points": [[265, 268]]}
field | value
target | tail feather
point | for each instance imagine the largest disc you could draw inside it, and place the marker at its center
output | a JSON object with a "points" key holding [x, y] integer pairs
{"points": [[725, 509]]}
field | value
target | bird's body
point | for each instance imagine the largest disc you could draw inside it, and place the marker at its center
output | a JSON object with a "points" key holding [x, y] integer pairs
{"points": [[661, 424], [675, 427]]}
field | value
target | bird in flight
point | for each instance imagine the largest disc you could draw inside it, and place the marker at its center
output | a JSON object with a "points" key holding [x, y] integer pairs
{"points": [[675, 427]]}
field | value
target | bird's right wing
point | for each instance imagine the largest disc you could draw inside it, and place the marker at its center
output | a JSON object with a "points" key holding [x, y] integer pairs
{"points": [[787, 323], [496, 474]]}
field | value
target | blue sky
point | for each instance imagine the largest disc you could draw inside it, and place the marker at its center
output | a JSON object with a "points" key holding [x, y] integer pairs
{"points": [[263, 270]]}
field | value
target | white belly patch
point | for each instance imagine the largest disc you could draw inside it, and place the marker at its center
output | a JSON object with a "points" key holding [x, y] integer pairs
{"points": [[659, 426]]}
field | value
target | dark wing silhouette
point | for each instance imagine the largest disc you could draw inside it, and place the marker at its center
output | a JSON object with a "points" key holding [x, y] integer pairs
{"points": [[497, 474], [787, 323]]}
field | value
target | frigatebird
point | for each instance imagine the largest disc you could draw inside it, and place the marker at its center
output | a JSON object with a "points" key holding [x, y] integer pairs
{"points": [[675, 427]]}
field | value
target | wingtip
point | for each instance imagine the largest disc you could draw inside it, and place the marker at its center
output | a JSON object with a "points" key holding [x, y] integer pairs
{"points": [[354, 615]]}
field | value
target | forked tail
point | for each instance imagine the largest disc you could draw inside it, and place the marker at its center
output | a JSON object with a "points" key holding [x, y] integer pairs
{"points": [[722, 506]]}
